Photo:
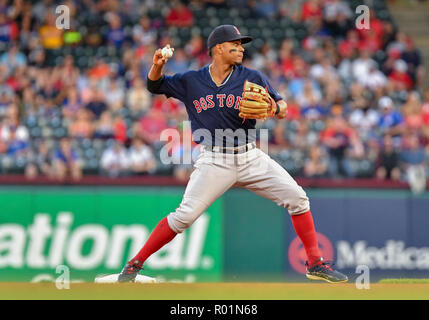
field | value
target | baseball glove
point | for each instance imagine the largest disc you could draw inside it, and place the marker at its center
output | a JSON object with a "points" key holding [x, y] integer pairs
{"points": [[255, 102]]}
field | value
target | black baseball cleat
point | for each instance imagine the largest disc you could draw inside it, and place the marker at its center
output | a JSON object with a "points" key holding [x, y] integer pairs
{"points": [[130, 271], [324, 271]]}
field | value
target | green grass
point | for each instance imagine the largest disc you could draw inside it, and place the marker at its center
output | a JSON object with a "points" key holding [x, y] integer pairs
{"points": [[405, 280], [213, 291]]}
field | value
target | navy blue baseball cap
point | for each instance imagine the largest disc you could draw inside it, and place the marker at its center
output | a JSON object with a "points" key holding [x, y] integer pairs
{"points": [[226, 33]]}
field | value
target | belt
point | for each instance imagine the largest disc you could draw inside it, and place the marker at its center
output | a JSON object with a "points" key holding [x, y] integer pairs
{"points": [[233, 150]]}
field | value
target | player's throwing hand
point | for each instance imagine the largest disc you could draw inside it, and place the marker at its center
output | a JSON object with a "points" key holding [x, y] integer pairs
{"points": [[159, 59]]}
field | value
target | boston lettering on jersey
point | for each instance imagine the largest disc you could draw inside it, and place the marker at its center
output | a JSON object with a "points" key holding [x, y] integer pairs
{"points": [[207, 102], [213, 107]]}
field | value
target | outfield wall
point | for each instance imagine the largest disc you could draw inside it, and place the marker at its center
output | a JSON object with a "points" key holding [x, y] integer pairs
{"points": [[95, 230], [241, 237]]}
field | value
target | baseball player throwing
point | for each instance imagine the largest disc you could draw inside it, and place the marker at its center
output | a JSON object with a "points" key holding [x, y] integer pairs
{"points": [[227, 97]]}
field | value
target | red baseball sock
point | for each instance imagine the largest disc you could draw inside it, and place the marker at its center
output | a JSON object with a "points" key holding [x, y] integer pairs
{"points": [[160, 236], [304, 228]]}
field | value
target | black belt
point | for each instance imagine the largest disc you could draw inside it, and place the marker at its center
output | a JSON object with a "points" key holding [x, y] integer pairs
{"points": [[232, 150]]}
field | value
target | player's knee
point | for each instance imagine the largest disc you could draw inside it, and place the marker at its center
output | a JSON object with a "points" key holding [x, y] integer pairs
{"points": [[299, 203], [179, 223], [184, 216]]}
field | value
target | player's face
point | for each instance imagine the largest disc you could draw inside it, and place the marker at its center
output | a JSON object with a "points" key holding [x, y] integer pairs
{"points": [[233, 52]]}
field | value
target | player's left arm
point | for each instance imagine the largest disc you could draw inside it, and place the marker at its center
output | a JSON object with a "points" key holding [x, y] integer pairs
{"points": [[281, 110], [278, 107]]}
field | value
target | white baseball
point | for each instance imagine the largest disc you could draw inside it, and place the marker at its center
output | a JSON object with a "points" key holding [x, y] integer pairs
{"points": [[166, 52]]}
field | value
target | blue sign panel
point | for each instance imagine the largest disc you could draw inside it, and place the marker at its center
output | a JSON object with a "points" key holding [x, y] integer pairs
{"points": [[387, 232]]}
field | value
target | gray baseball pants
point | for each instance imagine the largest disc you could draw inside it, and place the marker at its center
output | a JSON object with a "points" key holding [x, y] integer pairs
{"points": [[216, 172]]}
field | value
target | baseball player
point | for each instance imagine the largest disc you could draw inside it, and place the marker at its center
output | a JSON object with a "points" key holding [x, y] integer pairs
{"points": [[227, 97]]}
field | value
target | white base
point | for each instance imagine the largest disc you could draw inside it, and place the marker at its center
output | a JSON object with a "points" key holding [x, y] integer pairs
{"points": [[113, 278]]}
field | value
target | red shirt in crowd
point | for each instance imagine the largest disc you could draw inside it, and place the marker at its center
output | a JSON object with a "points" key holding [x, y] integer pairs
{"points": [[166, 106], [310, 9], [120, 130], [180, 16], [401, 78]]}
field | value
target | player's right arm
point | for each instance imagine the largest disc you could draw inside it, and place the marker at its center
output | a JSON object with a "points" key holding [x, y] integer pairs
{"points": [[158, 63], [158, 83]]}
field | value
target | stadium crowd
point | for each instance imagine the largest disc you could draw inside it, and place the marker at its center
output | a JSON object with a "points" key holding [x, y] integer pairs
{"points": [[73, 101]]}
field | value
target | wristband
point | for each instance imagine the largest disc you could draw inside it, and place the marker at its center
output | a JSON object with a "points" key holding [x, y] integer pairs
{"points": [[278, 109]]}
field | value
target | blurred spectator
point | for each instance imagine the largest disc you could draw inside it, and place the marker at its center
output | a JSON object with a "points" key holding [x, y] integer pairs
{"points": [[66, 161], [143, 34], [115, 35], [266, 9], [114, 96], [81, 127], [183, 155], [311, 9], [425, 114], [13, 58], [179, 15], [39, 162], [68, 72], [93, 38], [364, 119], [361, 67], [8, 29], [412, 159], [5, 101], [100, 70], [376, 30], [316, 166], [337, 138], [398, 45], [72, 37], [138, 98], [390, 121], [104, 126], [411, 55], [119, 129], [336, 14], [389, 33], [169, 107], [115, 160], [141, 158], [376, 80], [333, 8], [71, 104], [303, 137], [309, 96], [196, 49], [412, 111], [151, 125], [348, 45], [399, 79], [326, 74], [278, 140], [388, 161], [13, 134], [51, 37], [178, 63], [97, 104], [371, 42]]}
